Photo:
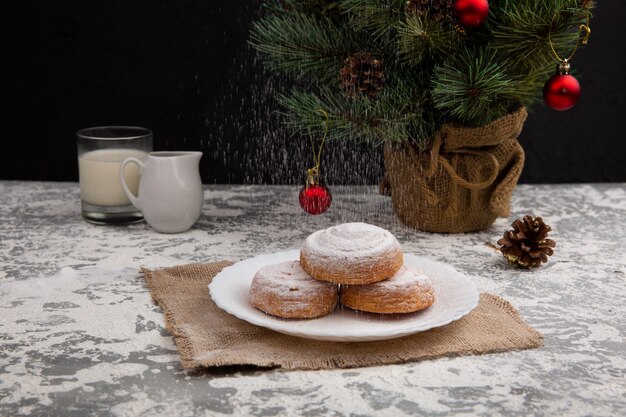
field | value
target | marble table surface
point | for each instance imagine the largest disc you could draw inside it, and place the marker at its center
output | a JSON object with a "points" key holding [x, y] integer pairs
{"points": [[80, 336]]}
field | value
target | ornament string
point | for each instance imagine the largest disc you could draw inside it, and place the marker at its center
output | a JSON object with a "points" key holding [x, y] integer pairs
{"points": [[313, 173], [562, 91], [584, 31]]}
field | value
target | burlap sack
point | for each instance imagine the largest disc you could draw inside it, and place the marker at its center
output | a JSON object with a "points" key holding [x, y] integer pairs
{"points": [[463, 182]]}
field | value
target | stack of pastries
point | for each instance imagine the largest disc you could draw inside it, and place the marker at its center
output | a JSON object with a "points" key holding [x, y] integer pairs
{"points": [[357, 265]]}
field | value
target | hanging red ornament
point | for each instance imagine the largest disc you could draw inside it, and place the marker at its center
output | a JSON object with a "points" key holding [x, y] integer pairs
{"points": [[562, 91], [471, 13], [315, 198]]}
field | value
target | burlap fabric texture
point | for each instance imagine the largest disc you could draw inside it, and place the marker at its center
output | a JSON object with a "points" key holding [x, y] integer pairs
{"points": [[463, 182], [207, 336]]}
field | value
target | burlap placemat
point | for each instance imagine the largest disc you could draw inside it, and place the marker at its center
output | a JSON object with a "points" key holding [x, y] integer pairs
{"points": [[207, 336]]}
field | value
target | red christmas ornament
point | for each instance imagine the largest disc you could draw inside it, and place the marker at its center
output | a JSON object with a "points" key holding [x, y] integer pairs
{"points": [[315, 198], [562, 91], [471, 13]]}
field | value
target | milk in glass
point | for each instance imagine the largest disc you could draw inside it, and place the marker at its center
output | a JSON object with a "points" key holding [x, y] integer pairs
{"points": [[100, 183]]}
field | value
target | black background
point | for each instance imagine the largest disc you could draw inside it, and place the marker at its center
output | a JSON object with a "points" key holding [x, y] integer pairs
{"points": [[183, 69]]}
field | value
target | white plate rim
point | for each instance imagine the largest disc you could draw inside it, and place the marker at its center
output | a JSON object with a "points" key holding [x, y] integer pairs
{"points": [[289, 327]]}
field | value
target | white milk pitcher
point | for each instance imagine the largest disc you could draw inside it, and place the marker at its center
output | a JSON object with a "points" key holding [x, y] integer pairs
{"points": [[170, 190]]}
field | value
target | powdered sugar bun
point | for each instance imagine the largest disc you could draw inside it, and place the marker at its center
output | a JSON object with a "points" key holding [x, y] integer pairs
{"points": [[405, 292], [285, 290], [351, 253]]}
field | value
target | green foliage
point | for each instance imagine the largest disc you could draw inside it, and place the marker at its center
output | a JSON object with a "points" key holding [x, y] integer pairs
{"points": [[298, 45], [434, 72], [378, 17], [522, 31], [390, 116], [473, 87], [421, 39]]}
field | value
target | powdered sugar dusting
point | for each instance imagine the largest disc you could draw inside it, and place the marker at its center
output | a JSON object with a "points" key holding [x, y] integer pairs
{"points": [[407, 291], [407, 276], [289, 280], [349, 244], [356, 239]]}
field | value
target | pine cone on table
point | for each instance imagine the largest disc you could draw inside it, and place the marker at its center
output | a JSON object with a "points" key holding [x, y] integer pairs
{"points": [[527, 244], [436, 9], [362, 74]]}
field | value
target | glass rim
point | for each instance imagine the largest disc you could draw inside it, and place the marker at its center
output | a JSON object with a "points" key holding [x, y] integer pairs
{"points": [[134, 132]]}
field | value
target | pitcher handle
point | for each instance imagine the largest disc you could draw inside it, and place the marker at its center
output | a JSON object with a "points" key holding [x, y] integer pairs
{"points": [[133, 199]]}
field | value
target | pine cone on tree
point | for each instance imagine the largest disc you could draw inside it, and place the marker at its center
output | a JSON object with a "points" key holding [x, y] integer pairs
{"points": [[362, 74], [436, 9], [588, 4], [527, 244]]}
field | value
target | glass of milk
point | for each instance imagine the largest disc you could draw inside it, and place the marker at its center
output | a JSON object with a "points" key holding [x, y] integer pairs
{"points": [[101, 151]]}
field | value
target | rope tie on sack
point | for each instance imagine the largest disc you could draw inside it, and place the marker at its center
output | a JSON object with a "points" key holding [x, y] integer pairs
{"points": [[436, 160]]}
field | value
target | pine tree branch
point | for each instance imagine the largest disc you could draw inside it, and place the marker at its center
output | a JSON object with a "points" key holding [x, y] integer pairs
{"points": [[392, 117], [432, 73], [377, 17], [301, 6], [299, 45], [523, 28], [474, 88], [422, 39]]}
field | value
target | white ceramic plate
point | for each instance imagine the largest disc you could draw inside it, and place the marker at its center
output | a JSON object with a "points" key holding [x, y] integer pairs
{"points": [[455, 296]]}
